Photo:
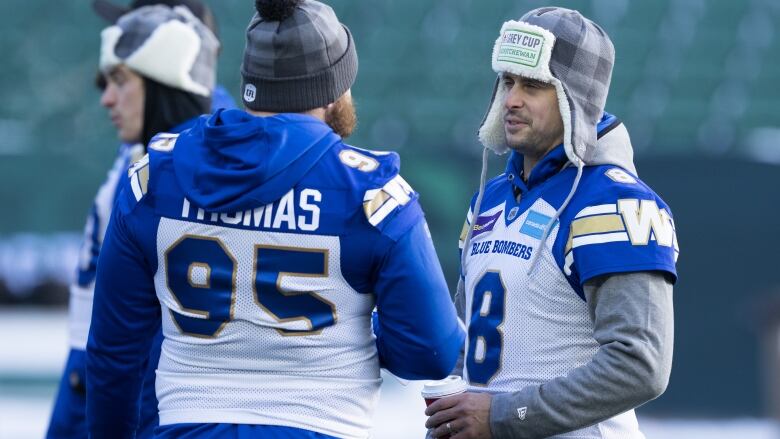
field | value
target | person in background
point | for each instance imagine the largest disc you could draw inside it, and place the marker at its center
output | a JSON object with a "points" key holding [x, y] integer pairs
{"points": [[568, 258], [143, 96]]}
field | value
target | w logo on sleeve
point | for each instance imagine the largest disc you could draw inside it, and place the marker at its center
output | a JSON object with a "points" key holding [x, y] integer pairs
{"points": [[641, 218], [629, 220]]}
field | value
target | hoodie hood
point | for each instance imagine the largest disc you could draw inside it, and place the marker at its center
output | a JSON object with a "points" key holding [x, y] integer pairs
{"points": [[613, 145], [232, 161]]}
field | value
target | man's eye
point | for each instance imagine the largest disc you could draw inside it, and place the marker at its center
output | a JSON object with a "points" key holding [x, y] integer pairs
{"points": [[117, 79]]}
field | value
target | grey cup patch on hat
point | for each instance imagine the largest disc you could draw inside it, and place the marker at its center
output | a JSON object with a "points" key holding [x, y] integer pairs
{"points": [[574, 54], [168, 45], [305, 60]]}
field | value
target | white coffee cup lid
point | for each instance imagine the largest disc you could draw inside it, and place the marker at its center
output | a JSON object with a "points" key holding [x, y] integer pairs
{"points": [[451, 385]]}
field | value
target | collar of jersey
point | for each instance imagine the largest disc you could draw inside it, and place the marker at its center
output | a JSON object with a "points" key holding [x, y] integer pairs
{"points": [[548, 166]]}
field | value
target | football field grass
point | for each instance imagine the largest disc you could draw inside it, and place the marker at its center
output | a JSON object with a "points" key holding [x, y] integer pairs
{"points": [[37, 343]]}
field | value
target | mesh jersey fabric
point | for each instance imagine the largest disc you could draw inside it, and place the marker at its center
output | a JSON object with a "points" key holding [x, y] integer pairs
{"points": [[266, 310], [529, 329]]}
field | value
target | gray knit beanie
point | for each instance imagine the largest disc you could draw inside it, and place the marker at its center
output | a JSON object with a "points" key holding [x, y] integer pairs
{"points": [[298, 56]]}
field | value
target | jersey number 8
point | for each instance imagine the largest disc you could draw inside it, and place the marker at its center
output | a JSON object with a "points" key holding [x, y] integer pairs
{"points": [[483, 359]]}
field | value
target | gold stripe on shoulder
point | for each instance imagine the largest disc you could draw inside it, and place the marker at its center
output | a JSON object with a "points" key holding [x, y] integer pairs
{"points": [[597, 224], [143, 178], [464, 231], [137, 152], [569, 242], [371, 206], [138, 164]]}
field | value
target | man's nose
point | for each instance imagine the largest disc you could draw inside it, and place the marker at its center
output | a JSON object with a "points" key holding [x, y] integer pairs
{"points": [[514, 98], [108, 98]]}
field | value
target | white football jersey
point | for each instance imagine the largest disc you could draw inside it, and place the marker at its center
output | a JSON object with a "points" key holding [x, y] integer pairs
{"points": [[265, 297], [531, 328], [262, 375]]}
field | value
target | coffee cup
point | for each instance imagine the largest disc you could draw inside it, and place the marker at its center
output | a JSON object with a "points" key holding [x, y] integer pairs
{"points": [[433, 390]]}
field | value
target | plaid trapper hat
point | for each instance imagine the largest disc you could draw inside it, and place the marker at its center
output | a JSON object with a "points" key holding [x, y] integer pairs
{"points": [[561, 47]]}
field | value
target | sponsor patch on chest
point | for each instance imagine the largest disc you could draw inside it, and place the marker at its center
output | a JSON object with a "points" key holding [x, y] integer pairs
{"points": [[534, 224], [485, 223]]}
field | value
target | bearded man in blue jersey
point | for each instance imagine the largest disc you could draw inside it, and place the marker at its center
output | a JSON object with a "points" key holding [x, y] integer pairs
{"points": [[146, 89], [568, 259], [261, 243]]}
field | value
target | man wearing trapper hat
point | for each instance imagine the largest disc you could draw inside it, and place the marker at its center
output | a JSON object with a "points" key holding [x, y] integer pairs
{"points": [[568, 259], [263, 242], [157, 71]]}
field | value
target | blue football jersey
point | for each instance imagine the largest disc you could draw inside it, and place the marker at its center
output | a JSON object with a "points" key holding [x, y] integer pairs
{"points": [[262, 245], [529, 325]]}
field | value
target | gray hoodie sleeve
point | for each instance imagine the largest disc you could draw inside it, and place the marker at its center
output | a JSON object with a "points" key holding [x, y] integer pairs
{"points": [[633, 323]]}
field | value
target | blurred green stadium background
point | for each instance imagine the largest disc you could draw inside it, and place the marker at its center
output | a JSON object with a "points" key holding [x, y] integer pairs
{"points": [[694, 81]]}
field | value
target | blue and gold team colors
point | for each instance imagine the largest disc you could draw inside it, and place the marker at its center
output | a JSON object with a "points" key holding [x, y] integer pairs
{"points": [[614, 224], [262, 245]]}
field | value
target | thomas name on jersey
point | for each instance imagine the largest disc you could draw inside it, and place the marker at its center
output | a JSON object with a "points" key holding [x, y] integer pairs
{"points": [[296, 210]]}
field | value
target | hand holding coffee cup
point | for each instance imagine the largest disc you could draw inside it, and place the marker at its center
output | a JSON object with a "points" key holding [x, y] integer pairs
{"points": [[434, 390]]}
